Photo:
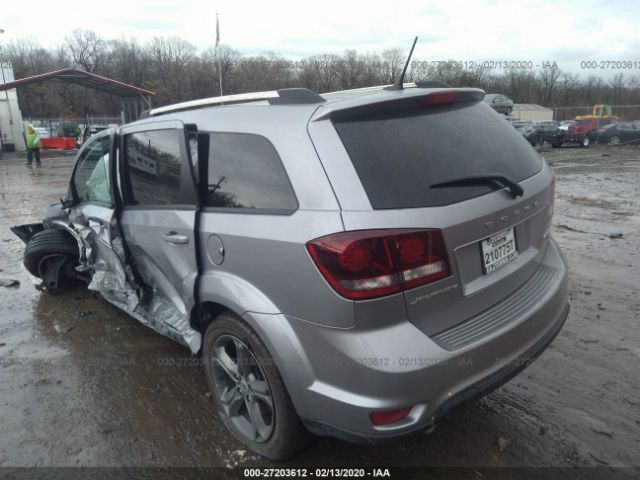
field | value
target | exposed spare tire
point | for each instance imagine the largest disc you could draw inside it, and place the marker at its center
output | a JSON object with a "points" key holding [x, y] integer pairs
{"points": [[46, 246]]}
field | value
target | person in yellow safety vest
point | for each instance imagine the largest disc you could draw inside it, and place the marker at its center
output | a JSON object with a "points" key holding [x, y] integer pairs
{"points": [[33, 144]]}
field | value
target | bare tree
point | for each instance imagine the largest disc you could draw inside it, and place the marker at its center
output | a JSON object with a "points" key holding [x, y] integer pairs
{"points": [[175, 70], [88, 50], [320, 72], [568, 85], [618, 86], [548, 78], [351, 71], [393, 60]]}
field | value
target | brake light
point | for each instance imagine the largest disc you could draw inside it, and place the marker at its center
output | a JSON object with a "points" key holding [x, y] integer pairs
{"points": [[440, 98], [367, 264]]}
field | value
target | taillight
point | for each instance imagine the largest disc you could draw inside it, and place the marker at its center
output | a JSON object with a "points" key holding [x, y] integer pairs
{"points": [[440, 98], [373, 263]]}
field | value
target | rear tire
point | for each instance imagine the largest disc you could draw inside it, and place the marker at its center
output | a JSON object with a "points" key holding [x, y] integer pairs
{"points": [[237, 381], [615, 140], [47, 245], [584, 142]]}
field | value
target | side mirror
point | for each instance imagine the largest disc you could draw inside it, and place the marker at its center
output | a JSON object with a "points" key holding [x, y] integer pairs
{"points": [[66, 202]]}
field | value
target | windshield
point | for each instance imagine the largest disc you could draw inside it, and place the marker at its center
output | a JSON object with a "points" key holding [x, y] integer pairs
{"points": [[399, 155]]}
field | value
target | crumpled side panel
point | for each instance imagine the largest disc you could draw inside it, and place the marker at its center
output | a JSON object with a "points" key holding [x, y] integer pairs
{"points": [[110, 280]]}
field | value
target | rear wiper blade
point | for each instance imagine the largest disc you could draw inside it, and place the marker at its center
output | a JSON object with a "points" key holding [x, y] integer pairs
{"points": [[492, 178]]}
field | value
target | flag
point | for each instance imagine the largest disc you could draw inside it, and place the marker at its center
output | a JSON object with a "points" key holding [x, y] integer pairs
{"points": [[217, 32]]}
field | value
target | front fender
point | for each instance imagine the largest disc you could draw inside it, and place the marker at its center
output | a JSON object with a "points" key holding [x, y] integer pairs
{"points": [[25, 232], [55, 212]]}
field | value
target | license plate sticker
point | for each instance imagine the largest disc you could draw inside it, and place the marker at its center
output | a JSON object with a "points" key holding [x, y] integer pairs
{"points": [[498, 250]]}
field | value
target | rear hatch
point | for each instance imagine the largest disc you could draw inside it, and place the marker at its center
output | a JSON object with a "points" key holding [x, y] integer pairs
{"points": [[398, 150]]}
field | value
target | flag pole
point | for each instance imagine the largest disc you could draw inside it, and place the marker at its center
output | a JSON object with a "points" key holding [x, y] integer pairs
{"points": [[217, 56]]}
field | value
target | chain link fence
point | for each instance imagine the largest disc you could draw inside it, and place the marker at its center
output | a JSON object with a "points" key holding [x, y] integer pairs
{"points": [[70, 127]]}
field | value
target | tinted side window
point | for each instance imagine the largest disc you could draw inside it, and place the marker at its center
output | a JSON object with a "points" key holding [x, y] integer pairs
{"points": [[153, 165], [90, 178], [245, 171]]}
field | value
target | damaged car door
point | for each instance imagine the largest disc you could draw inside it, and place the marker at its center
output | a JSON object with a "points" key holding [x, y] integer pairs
{"points": [[92, 220], [158, 219]]}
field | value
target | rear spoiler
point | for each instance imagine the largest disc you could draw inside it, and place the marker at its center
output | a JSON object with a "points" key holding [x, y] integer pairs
{"points": [[413, 99]]}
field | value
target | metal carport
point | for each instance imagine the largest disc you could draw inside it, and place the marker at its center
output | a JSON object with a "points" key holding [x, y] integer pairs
{"points": [[133, 99]]}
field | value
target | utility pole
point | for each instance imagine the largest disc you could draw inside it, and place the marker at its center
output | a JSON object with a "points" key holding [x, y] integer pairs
{"points": [[216, 53]]}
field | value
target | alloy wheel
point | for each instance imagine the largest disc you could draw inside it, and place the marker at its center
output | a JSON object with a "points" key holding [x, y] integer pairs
{"points": [[242, 388]]}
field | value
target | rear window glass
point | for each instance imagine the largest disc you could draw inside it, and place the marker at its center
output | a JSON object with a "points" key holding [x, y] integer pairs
{"points": [[398, 156]]}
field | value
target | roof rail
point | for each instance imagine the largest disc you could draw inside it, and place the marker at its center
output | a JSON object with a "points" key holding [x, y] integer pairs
{"points": [[285, 96]]}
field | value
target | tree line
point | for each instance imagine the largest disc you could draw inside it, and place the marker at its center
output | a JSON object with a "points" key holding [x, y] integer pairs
{"points": [[177, 71]]}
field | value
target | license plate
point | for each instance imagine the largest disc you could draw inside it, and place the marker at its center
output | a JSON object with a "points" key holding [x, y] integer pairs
{"points": [[498, 250]]}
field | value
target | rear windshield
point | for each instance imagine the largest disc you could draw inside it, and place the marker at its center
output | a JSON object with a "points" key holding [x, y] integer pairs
{"points": [[398, 156]]}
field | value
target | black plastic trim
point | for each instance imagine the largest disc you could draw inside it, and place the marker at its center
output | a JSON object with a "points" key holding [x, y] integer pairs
{"points": [[296, 96]]}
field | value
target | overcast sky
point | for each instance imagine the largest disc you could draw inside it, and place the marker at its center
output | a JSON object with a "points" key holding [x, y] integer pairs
{"points": [[562, 31]]}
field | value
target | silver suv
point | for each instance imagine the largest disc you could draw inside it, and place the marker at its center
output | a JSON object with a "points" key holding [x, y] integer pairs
{"points": [[354, 264]]}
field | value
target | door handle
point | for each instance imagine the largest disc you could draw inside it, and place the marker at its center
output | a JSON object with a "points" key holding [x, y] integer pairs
{"points": [[175, 238]]}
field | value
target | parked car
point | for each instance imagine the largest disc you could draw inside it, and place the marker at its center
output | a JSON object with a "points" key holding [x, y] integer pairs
{"points": [[69, 129], [545, 129], [622, 132], [581, 133], [528, 131], [500, 103], [565, 124], [346, 264]]}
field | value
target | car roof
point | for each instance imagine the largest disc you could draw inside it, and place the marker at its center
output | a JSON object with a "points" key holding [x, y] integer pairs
{"points": [[325, 105]]}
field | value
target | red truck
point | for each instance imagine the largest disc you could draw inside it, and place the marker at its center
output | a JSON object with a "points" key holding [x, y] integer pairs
{"points": [[581, 133], [586, 127]]}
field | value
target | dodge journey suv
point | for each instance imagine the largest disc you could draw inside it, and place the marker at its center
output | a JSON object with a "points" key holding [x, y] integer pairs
{"points": [[346, 264]]}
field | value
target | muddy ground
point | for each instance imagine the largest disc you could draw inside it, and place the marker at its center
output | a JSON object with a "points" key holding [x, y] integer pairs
{"points": [[83, 384]]}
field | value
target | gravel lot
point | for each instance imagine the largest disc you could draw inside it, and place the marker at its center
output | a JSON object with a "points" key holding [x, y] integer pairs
{"points": [[83, 384]]}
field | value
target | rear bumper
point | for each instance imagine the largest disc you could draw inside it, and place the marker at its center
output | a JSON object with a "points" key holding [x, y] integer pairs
{"points": [[473, 392], [337, 377]]}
